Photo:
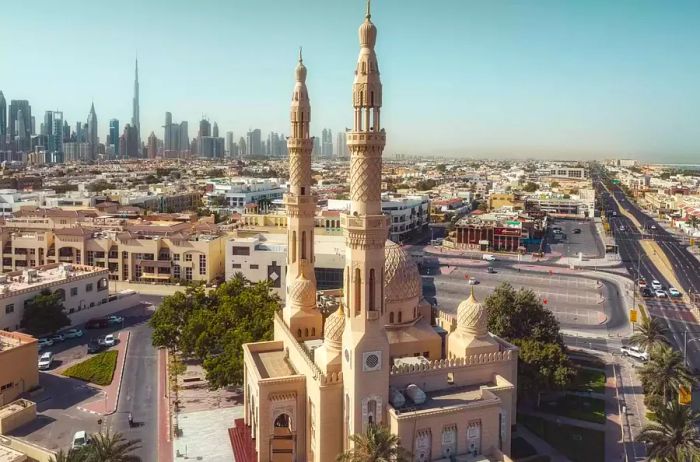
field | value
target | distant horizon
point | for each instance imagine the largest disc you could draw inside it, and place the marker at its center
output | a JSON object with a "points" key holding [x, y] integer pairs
{"points": [[542, 79]]}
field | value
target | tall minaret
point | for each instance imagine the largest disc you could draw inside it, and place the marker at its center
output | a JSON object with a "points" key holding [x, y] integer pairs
{"points": [[366, 348], [300, 312], [135, 120]]}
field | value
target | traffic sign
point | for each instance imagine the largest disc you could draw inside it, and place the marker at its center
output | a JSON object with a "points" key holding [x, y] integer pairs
{"points": [[633, 315], [685, 397]]}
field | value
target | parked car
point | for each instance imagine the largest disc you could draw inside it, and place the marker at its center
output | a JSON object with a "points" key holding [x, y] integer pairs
{"points": [[45, 342], [634, 352], [488, 257], [94, 347], [110, 340], [660, 293], [57, 338], [656, 285], [473, 281], [114, 319], [642, 282], [490, 270], [73, 333], [96, 324], [45, 361], [577, 230], [80, 439], [673, 292], [646, 292], [622, 227]]}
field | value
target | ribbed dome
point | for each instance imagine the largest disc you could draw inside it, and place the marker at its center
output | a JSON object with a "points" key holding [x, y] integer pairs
{"points": [[333, 328], [401, 277], [302, 291], [472, 317], [301, 72]]}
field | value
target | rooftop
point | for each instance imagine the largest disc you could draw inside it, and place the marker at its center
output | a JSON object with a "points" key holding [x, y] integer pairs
{"points": [[10, 455], [272, 364], [450, 398], [37, 277]]}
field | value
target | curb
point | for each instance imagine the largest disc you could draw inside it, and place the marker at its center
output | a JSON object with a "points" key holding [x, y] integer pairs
{"points": [[121, 376]]}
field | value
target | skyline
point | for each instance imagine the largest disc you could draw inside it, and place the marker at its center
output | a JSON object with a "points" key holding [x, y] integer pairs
{"points": [[511, 79]]}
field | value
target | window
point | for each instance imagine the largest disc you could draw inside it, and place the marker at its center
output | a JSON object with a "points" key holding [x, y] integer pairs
{"points": [[176, 271], [371, 290], [90, 258], [188, 257], [240, 250], [10, 308], [358, 291], [391, 317], [202, 264], [236, 265], [73, 291], [188, 274], [88, 287], [138, 271], [6, 386], [176, 257], [254, 266]]}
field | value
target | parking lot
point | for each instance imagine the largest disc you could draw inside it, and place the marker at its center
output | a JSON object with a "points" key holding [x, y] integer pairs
{"points": [[569, 243]]}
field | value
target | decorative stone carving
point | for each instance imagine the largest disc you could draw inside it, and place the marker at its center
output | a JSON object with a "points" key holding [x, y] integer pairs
{"points": [[401, 277]]}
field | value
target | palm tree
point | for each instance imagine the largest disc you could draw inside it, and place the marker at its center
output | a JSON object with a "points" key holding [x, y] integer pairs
{"points": [[673, 436], [666, 372], [651, 334], [73, 455], [378, 444], [106, 447]]}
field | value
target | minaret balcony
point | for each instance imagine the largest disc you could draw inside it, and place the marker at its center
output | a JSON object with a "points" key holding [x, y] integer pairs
{"points": [[366, 138], [293, 199], [363, 221], [300, 143]]}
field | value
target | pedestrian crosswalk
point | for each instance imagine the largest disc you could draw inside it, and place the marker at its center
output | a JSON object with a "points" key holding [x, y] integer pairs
{"points": [[670, 308]]}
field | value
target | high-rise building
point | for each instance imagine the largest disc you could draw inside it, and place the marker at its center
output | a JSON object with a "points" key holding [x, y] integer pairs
{"points": [[341, 145], [215, 130], [53, 133], [204, 128], [20, 124], [152, 146], [92, 137], [135, 118], [3, 120], [171, 137], [229, 144], [114, 137], [208, 146], [131, 147], [316, 151], [326, 143], [242, 148], [254, 143], [184, 144]]}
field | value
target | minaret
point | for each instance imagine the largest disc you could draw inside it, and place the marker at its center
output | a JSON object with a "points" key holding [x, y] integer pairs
{"points": [[300, 312], [135, 120], [366, 348]]}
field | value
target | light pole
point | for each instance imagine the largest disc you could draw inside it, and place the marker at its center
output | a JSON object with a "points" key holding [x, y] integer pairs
{"points": [[685, 345]]}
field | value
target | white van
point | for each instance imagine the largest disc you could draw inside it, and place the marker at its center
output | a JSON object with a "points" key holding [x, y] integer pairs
{"points": [[488, 257]]}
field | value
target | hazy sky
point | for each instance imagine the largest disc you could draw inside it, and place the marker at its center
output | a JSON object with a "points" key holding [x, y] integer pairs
{"points": [[556, 78]]}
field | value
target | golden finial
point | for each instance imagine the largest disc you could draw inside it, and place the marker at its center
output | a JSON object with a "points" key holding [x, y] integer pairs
{"points": [[368, 15]]}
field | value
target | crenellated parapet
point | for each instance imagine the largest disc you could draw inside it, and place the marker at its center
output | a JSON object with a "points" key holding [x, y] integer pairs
{"points": [[454, 363]]}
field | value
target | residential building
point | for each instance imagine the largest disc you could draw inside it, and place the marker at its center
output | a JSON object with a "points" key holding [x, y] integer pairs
{"points": [[19, 354], [242, 191]]}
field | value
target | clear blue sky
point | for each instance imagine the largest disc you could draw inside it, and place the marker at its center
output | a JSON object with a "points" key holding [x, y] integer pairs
{"points": [[567, 79]]}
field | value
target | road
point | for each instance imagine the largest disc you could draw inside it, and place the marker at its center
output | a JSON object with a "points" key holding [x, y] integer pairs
{"points": [[675, 314]]}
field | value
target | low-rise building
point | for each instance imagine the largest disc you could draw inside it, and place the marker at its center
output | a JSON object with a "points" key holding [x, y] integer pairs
{"points": [[19, 373], [242, 191]]}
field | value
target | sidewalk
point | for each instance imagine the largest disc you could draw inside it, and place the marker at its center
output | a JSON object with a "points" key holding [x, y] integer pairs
{"points": [[107, 405], [165, 443]]}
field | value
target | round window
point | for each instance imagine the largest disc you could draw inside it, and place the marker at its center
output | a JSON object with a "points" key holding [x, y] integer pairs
{"points": [[347, 355], [372, 361]]}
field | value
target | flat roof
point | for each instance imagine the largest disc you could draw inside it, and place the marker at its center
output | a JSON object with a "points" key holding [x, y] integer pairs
{"points": [[272, 364], [10, 340], [36, 277], [10, 455], [447, 398]]}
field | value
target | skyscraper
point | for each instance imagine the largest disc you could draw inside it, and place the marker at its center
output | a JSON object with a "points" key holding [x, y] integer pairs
{"points": [[152, 146], [184, 144], [131, 144], [3, 120], [171, 137], [204, 128], [215, 130], [326, 143], [254, 143], [229, 144], [341, 145], [53, 131], [92, 138], [20, 123], [114, 136], [242, 148], [135, 119]]}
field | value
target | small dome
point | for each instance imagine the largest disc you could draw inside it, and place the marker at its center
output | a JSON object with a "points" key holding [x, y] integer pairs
{"points": [[301, 72], [472, 317], [334, 326], [303, 291], [368, 33], [401, 277]]}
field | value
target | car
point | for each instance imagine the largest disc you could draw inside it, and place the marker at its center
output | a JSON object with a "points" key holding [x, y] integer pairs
{"points": [[642, 283], [58, 338], [73, 333], [488, 257], [646, 292], [80, 439], [622, 227], [96, 324], [634, 352], [114, 319], [660, 293], [472, 281], [490, 269], [673, 292], [45, 342], [109, 340], [656, 285], [45, 361], [94, 347], [577, 230]]}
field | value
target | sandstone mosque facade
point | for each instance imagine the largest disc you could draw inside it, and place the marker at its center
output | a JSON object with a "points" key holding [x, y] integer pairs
{"points": [[448, 392]]}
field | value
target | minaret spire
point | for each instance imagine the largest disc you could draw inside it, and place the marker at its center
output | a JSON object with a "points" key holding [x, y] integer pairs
{"points": [[369, 14], [300, 312]]}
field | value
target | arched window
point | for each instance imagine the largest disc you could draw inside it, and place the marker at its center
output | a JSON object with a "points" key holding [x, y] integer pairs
{"points": [[299, 333], [371, 290], [391, 317], [303, 245], [313, 332], [306, 332], [294, 246], [358, 291], [283, 421], [400, 317]]}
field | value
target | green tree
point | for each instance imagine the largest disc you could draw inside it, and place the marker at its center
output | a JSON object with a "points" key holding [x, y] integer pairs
{"points": [[693, 222], [442, 168], [673, 434], [554, 184], [112, 447], [425, 185], [44, 314], [99, 186], [530, 187], [542, 366], [650, 334], [665, 373], [169, 321], [377, 444]]}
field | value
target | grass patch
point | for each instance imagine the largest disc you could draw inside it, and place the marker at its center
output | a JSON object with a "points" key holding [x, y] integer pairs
{"points": [[577, 407], [589, 380], [576, 443], [98, 370]]}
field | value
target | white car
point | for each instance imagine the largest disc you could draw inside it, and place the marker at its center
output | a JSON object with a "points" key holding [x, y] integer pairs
{"points": [[488, 257], [656, 285], [114, 319], [673, 292], [110, 340], [660, 293], [80, 439], [45, 361], [473, 281], [634, 352], [73, 333], [45, 342]]}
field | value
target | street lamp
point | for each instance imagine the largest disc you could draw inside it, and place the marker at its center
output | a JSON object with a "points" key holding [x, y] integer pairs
{"points": [[685, 345]]}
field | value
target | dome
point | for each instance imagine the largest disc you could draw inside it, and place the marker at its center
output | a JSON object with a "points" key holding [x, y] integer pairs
{"points": [[334, 326], [301, 69], [368, 32], [303, 291], [401, 277], [472, 317]]}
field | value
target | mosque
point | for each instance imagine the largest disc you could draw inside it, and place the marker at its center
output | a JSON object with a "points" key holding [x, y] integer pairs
{"points": [[447, 388]]}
